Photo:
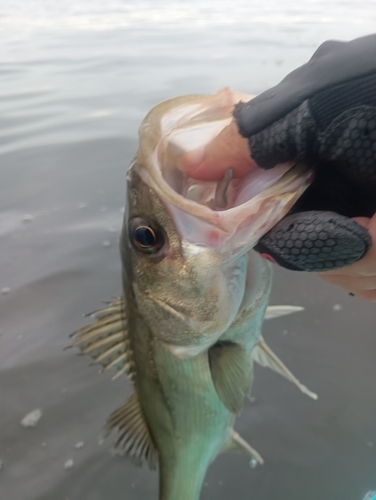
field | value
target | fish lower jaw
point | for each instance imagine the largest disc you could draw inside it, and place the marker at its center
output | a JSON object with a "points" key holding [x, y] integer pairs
{"points": [[194, 349], [191, 350], [204, 333], [186, 352], [235, 227]]}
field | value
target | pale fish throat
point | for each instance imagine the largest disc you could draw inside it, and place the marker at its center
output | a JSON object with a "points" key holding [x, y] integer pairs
{"points": [[186, 352]]}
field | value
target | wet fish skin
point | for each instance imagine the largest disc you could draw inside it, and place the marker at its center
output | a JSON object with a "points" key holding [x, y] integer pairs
{"points": [[188, 325], [188, 294], [189, 423]]}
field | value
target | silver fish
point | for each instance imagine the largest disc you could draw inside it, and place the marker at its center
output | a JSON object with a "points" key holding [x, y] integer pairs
{"points": [[187, 329]]}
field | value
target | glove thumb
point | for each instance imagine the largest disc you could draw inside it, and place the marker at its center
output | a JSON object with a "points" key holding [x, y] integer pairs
{"points": [[315, 241]]}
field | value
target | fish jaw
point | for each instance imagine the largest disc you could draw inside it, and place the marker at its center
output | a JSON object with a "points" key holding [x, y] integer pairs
{"points": [[221, 281], [240, 228], [191, 305], [253, 203], [188, 294], [190, 290]]}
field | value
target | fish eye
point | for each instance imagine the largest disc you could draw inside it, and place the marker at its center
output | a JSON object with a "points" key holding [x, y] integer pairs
{"points": [[145, 236]]}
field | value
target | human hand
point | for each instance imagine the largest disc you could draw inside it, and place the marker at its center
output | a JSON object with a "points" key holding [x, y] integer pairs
{"points": [[325, 113], [360, 278], [210, 163]]}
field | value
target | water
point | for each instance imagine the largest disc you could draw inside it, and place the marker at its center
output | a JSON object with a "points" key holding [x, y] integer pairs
{"points": [[76, 78]]}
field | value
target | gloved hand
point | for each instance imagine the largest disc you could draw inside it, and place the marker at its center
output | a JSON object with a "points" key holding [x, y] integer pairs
{"points": [[324, 112], [359, 278]]}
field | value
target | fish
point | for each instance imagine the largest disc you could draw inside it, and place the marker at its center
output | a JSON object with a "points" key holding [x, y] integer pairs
{"points": [[187, 329]]}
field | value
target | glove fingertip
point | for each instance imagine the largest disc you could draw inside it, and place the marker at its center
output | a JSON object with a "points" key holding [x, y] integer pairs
{"points": [[315, 242]]}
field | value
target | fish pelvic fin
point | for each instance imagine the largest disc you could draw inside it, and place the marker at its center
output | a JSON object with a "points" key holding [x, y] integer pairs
{"points": [[277, 311], [238, 443], [264, 356], [106, 339], [134, 438], [231, 370]]}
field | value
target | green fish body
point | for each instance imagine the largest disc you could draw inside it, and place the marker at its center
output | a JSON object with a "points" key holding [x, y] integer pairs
{"points": [[187, 329]]}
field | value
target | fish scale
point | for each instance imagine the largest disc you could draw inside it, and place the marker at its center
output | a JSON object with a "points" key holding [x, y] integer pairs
{"points": [[187, 329]]}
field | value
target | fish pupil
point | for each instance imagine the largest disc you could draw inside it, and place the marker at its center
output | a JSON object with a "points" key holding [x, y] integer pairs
{"points": [[145, 236]]}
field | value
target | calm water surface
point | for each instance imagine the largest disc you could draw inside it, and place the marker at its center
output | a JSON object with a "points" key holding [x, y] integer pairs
{"points": [[76, 78]]}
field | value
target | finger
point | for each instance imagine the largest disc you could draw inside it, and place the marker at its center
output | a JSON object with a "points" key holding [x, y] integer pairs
{"points": [[315, 241], [350, 282], [365, 222], [366, 295], [367, 265], [227, 150]]}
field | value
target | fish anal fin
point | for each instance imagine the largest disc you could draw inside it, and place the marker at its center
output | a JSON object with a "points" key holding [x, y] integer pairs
{"points": [[231, 369], [277, 311], [134, 439], [264, 356], [238, 443]]}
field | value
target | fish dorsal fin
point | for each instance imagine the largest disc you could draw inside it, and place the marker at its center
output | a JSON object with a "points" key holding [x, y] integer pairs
{"points": [[231, 373], [134, 440], [277, 311], [106, 340], [264, 356]]}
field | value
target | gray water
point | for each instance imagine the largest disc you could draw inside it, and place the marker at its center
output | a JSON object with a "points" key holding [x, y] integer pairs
{"points": [[76, 79]]}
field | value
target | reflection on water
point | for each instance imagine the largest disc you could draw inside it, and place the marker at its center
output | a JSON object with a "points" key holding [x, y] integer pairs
{"points": [[76, 78], [177, 14]]}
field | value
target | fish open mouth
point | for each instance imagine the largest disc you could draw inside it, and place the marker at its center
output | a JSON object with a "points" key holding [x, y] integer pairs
{"points": [[213, 212], [228, 192]]}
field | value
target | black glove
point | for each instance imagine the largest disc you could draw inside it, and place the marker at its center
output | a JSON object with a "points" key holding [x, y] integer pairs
{"points": [[323, 112]]}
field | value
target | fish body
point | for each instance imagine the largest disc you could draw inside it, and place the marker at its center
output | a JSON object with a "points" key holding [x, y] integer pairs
{"points": [[188, 327]]}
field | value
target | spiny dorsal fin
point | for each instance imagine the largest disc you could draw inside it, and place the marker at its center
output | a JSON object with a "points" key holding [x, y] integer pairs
{"points": [[106, 340], [277, 311], [238, 443], [231, 373], [264, 356], [134, 439]]}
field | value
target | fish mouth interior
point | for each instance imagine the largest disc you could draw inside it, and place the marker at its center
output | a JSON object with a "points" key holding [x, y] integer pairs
{"points": [[226, 193], [190, 134], [229, 214]]}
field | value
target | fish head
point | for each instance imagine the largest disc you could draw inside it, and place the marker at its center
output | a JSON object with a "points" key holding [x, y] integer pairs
{"points": [[185, 258], [188, 294]]}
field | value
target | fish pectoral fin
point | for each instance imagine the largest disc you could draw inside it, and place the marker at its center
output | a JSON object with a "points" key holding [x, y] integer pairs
{"points": [[238, 443], [277, 311], [264, 356], [134, 439], [106, 340], [231, 370]]}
